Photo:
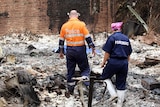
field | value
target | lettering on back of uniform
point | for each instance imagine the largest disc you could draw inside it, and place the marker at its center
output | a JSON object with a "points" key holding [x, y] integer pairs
{"points": [[119, 42]]}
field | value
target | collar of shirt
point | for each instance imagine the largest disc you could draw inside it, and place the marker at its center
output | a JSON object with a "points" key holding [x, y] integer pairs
{"points": [[73, 19]]}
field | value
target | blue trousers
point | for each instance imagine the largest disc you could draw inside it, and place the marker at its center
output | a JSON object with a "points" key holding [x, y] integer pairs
{"points": [[118, 67], [77, 55]]}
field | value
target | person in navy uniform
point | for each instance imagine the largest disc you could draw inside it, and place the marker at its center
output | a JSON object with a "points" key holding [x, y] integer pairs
{"points": [[115, 62]]}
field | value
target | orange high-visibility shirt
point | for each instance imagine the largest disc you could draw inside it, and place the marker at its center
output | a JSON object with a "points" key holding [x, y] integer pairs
{"points": [[74, 32]]}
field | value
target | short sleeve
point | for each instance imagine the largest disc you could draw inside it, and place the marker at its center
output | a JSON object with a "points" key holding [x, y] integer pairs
{"points": [[108, 46]]}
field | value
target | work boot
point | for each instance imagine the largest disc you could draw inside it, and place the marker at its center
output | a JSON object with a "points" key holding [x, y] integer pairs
{"points": [[71, 89], [121, 95], [111, 90]]}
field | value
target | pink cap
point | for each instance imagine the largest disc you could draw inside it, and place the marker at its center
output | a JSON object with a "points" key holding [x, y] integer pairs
{"points": [[116, 25]]}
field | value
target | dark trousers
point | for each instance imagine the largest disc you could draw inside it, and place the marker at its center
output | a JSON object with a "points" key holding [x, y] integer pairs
{"points": [[77, 55], [118, 67]]}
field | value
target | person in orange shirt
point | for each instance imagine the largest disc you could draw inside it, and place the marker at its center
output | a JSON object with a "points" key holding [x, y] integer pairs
{"points": [[74, 32]]}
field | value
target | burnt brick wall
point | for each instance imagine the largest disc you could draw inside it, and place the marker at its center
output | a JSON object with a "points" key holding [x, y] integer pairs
{"points": [[23, 15], [38, 16], [102, 20]]}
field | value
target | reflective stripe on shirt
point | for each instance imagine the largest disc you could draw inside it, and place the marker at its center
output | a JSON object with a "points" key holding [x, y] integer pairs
{"points": [[75, 39], [78, 43], [73, 35]]}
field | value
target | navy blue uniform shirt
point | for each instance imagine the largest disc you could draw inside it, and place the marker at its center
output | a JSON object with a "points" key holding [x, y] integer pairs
{"points": [[118, 46]]}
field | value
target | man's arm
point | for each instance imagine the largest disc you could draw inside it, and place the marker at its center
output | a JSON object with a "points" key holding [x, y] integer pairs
{"points": [[106, 57], [91, 44], [61, 48]]}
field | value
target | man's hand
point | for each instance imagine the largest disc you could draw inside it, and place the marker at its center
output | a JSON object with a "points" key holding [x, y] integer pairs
{"points": [[61, 55], [106, 57], [103, 64], [93, 51]]}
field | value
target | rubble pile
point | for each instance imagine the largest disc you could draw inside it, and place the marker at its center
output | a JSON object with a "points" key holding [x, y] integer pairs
{"points": [[33, 75]]}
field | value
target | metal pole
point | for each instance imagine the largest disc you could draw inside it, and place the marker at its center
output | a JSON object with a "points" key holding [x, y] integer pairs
{"points": [[90, 92]]}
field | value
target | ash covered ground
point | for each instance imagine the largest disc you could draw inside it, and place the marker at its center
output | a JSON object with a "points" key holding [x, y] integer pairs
{"points": [[36, 55]]}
